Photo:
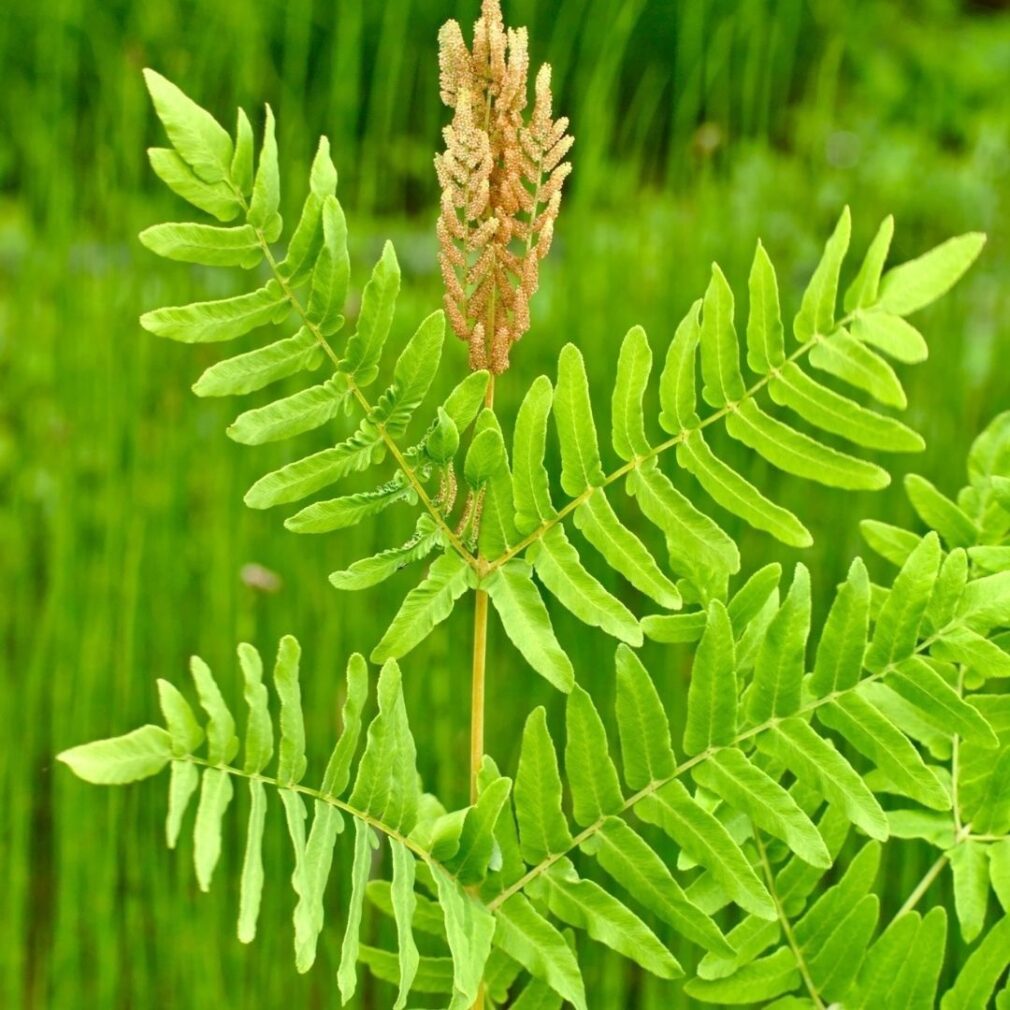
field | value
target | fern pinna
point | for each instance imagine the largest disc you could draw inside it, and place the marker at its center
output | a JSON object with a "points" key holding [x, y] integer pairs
{"points": [[885, 737]]}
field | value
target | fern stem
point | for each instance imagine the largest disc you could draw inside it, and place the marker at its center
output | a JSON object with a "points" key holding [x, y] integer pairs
{"points": [[787, 927], [923, 886], [477, 682], [632, 801], [671, 442]]}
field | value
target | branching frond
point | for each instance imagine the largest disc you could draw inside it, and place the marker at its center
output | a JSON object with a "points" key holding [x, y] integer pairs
{"points": [[377, 790]]}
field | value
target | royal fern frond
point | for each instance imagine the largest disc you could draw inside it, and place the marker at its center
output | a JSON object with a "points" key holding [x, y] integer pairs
{"points": [[378, 790], [507, 526]]}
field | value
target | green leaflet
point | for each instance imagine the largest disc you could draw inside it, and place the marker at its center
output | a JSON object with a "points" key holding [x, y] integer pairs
{"points": [[913, 285], [814, 759], [404, 904], [636, 867], [736, 494], [185, 732], [364, 842], [259, 743], [832, 412], [484, 458], [642, 724], [763, 979], [799, 454], [537, 995], [371, 571], [692, 537], [338, 768], [730, 774], [985, 602], [592, 777], [300, 412], [981, 971], [222, 744], [198, 137], [890, 542], [425, 606], [386, 785], [331, 274], [585, 905], [839, 662], [469, 928], [476, 841], [781, 660], [183, 783], [875, 736], [526, 622], [712, 690], [852, 362], [834, 964], [816, 316], [863, 289], [706, 841], [378, 300], [266, 193], [897, 628], [206, 244], [543, 830], [128, 758], [291, 761], [528, 937], [216, 792], [557, 563], [311, 473], [720, 351], [598, 523], [434, 974], [962, 645], [251, 887], [339, 513], [217, 199], [531, 488], [677, 395], [245, 373], [891, 978], [765, 343], [939, 513], [416, 366], [938, 703], [970, 867], [892, 335], [573, 415], [634, 365], [224, 319]]}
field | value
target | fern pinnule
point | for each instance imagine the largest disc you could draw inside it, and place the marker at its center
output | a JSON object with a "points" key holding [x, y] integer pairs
{"points": [[501, 176]]}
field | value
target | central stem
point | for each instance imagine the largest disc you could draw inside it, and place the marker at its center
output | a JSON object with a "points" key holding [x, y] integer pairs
{"points": [[477, 688]]}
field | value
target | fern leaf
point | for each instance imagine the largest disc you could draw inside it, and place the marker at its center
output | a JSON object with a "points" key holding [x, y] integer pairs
{"points": [[216, 793], [816, 316], [205, 244], [528, 937], [425, 606], [526, 622], [573, 414], [585, 905], [292, 415], [591, 775], [712, 692], [349, 510], [245, 373], [223, 319], [216, 199], [377, 303], [557, 563], [543, 830], [371, 571], [644, 730], [623, 551], [364, 842], [846, 358], [839, 662], [530, 483], [634, 365], [720, 352], [251, 887], [128, 758], [704, 839], [913, 285]]}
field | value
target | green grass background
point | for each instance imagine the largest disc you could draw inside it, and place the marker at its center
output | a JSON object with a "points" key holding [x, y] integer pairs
{"points": [[700, 125]]}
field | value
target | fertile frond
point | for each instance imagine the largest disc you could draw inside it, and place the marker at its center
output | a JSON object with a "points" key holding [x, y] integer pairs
{"points": [[378, 790]]}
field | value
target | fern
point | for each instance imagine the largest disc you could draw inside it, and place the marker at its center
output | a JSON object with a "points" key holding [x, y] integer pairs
{"points": [[508, 523], [801, 743]]}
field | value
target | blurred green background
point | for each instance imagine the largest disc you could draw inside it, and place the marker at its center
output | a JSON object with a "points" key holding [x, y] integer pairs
{"points": [[700, 125]]}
